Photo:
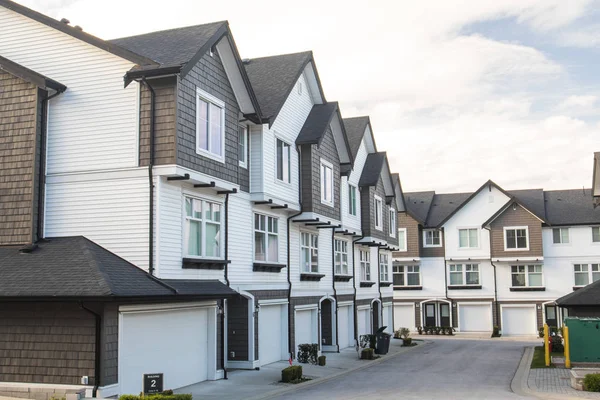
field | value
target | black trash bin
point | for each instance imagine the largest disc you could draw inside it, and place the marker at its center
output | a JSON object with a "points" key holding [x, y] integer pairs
{"points": [[383, 341]]}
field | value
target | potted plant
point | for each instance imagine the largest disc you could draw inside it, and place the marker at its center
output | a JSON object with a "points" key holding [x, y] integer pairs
{"points": [[404, 334]]}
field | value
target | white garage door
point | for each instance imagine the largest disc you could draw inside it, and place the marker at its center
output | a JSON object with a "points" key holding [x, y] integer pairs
{"points": [[475, 317], [364, 322], [306, 327], [270, 334], [518, 321], [404, 316], [346, 327], [387, 319], [174, 342]]}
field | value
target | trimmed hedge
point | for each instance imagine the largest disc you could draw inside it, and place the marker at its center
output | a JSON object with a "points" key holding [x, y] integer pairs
{"points": [[291, 374], [159, 396], [591, 382], [308, 353], [321, 361]]}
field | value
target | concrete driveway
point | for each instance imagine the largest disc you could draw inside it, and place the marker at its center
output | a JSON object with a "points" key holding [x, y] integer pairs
{"points": [[443, 369]]}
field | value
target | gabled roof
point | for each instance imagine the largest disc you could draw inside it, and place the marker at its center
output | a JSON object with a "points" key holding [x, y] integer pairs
{"points": [[76, 33], [418, 205], [274, 77], [41, 81], [372, 169], [586, 296], [400, 203], [356, 128], [75, 267], [571, 207], [532, 200], [443, 206]]}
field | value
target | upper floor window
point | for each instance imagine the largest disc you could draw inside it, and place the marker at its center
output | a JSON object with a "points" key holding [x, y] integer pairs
{"points": [[202, 235], [351, 199], [210, 125], [596, 234], [243, 146], [309, 252], [468, 238], [266, 238], [392, 227], [467, 274], [432, 238], [283, 161], [586, 273], [560, 235], [516, 238], [341, 257], [378, 213], [527, 275], [406, 275], [402, 245], [384, 268], [326, 183], [365, 265]]}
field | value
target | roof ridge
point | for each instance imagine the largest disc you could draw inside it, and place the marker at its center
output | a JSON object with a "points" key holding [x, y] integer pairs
{"points": [[169, 30], [306, 52], [104, 283]]}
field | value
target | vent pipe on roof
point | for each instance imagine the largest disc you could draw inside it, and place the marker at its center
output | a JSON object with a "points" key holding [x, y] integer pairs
{"points": [[246, 61], [65, 21], [78, 28]]}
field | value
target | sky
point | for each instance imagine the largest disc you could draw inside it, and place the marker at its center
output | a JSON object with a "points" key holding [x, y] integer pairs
{"points": [[458, 92]]}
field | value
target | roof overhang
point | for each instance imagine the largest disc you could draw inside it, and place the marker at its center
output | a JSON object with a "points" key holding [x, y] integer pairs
{"points": [[512, 202], [31, 76], [596, 180]]}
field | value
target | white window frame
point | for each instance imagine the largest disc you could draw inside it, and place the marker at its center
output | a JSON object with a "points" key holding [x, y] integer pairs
{"points": [[203, 222], [378, 212], [201, 95], [590, 272], [384, 267], [515, 228], [341, 249], [352, 200], [527, 285], [287, 178], [404, 272], [560, 232], [463, 272], [403, 246], [266, 233], [243, 163], [364, 257], [392, 222], [311, 247], [598, 228], [469, 246], [425, 231], [322, 168]]}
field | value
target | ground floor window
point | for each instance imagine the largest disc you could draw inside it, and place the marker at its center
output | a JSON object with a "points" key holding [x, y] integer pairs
{"points": [[406, 275]]}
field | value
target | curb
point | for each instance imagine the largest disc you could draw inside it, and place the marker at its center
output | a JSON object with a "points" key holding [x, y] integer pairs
{"points": [[324, 379]]}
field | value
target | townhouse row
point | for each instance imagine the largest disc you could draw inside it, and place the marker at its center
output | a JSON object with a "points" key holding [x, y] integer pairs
{"points": [[167, 207], [493, 258]]}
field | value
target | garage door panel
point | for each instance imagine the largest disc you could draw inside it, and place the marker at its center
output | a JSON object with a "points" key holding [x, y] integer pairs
{"points": [[404, 316], [364, 322], [306, 329], [519, 321], [270, 334], [475, 317]]}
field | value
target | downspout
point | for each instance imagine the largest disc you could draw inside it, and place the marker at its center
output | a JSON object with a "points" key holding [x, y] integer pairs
{"points": [[337, 332], [495, 280], [354, 284], [97, 349], [151, 180], [42, 166], [380, 317], [226, 273], [289, 276]]}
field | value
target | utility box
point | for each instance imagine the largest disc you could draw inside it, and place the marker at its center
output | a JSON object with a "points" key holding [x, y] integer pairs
{"points": [[584, 339]]}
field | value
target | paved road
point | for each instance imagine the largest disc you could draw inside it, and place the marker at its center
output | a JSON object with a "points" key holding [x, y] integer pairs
{"points": [[445, 369]]}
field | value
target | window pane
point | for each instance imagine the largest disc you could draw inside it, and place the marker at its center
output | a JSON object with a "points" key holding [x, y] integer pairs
{"points": [[463, 238], [259, 246], [596, 234], [213, 233], [279, 159], [581, 279], [286, 163], [595, 276], [511, 240], [202, 125], [305, 253], [413, 279], [188, 207], [436, 237], [472, 278], [518, 279], [402, 239], [215, 129], [242, 144], [273, 249], [535, 279], [564, 235], [398, 279], [556, 235], [456, 278], [194, 238], [521, 238], [473, 239]]}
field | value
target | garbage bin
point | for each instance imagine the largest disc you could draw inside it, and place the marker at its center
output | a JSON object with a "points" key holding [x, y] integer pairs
{"points": [[383, 341]]}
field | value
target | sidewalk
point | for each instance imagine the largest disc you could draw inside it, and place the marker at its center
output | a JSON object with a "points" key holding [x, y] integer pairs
{"points": [[265, 383], [478, 336], [545, 383]]}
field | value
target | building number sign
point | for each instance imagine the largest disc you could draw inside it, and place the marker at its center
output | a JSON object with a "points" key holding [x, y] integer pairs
{"points": [[153, 383]]}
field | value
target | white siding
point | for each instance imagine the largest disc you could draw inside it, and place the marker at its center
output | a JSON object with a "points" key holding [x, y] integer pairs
{"points": [[93, 125], [256, 160], [351, 221], [367, 292], [112, 213], [325, 285]]}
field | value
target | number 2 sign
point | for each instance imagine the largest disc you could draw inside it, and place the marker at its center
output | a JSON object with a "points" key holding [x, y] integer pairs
{"points": [[153, 383]]}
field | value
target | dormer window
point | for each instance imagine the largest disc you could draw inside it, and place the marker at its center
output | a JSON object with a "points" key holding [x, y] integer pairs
{"points": [[516, 238], [326, 183], [283, 161], [378, 213], [432, 238], [210, 126]]}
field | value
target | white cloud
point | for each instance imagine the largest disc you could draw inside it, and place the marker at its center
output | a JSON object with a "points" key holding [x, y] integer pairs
{"points": [[585, 37]]}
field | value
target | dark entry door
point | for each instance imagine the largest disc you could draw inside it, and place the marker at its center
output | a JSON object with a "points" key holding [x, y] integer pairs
{"points": [[430, 314], [551, 318], [326, 323], [444, 314], [375, 316]]}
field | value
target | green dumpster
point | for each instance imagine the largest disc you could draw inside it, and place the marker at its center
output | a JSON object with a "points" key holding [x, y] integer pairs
{"points": [[584, 339]]}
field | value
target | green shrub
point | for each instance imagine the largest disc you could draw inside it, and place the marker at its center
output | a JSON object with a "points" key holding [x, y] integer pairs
{"points": [[159, 396], [308, 353], [556, 344], [591, 382], [291, 373], [406, 342], [541, 331], [321, 361], [402, 333], [367, 354]]}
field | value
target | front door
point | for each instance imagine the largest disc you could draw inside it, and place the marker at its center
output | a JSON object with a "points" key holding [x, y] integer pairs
{"points": [[444, 314], [551, 318], [430, 314], [375, 316]]}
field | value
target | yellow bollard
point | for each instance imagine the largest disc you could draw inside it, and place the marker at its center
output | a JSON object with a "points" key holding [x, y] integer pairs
{"points": [[546, 345], [567, 347]]}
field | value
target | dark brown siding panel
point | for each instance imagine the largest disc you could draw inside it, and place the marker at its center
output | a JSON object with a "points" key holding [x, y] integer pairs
{"points": [[164, 122], [412, 235], [46, 343], [517, 217], [18, 134], [307, 177], [110, 344], [432, 251]]}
